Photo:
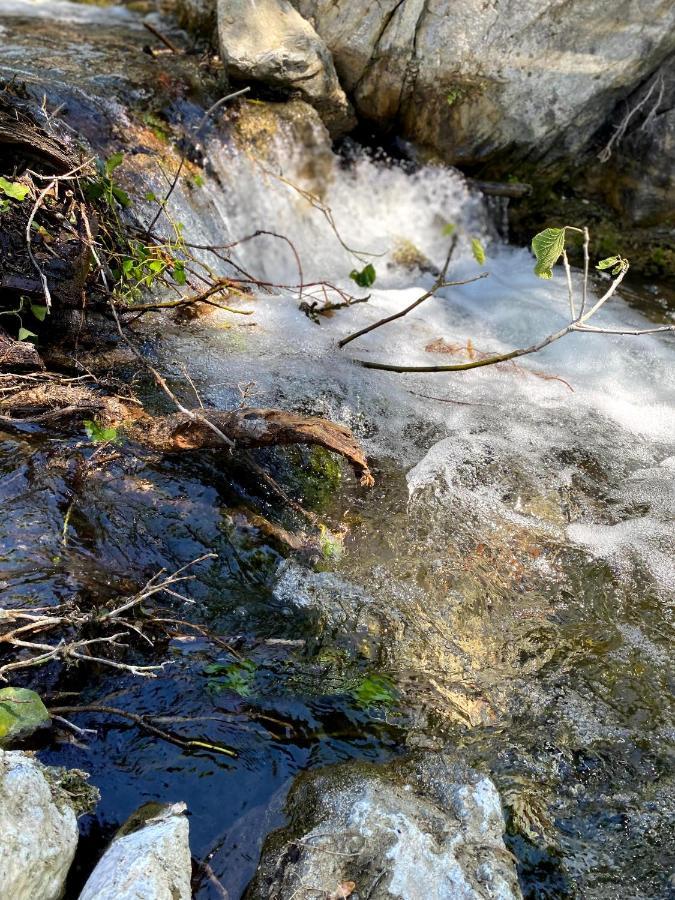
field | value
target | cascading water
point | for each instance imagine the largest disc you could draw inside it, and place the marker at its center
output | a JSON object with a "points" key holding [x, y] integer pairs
{"points": [[511, 571], [503, 590]]}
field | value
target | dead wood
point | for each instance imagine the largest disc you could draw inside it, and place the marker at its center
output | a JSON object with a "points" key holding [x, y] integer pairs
{"points": [[62, 404], [18, 356], [23, 138], [251, 428]]}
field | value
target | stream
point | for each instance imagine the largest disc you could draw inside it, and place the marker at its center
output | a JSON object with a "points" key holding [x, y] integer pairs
{"points": [[505, 589]]}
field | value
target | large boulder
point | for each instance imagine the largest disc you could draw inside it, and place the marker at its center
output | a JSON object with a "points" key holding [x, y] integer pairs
{"points": [[429, 829], [533, 79], [268, 41], [38, 829], [148, 858]]}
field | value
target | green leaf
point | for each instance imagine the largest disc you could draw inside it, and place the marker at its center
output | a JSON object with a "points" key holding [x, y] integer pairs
{"points": [[608, 262], [366, 277], [478, 251], [113, 162], [238, 676], [449, 229], [13, 189], [121, 196], [198, 180], [127, 266], [94, 190], [157, 265], [548, 247], [40, 312], [150, 197], [179, 272], [25, 334], [99, 434], [21, 713]]}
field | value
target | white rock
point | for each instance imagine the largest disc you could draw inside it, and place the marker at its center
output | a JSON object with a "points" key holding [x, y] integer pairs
{"points": [[150, 863], [38, 831], [269, 41]]}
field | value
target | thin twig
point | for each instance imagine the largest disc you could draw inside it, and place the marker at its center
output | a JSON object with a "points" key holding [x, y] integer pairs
{"points": [[141, 721]]}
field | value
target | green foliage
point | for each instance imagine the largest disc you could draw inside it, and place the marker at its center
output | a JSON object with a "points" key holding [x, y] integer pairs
{"points": [[25, 334], [449, 229], [99, 434], [548, 247], [14, 189], [104, 187], [374, 689], [478, 251], [366, 277], [21, 713], [40, 312], [238, 676], [145, 264], [616, 263]]}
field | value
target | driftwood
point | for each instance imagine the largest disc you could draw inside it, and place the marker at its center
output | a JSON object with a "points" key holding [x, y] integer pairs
{"points": [[250, 428], [60, 405]]}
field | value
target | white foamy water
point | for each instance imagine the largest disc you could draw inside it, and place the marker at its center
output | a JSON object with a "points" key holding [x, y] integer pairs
{"points": [[508, 442]]}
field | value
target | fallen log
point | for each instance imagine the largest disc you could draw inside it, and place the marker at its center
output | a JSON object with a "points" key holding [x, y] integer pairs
{"points": [[250, 428], [60, 405]]}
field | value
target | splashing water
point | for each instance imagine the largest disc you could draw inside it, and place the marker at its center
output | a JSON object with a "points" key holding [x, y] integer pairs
{"points": [[514, 565]]}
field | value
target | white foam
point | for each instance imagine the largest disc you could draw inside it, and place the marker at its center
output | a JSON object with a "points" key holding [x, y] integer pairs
{"points": [[587, 402]]}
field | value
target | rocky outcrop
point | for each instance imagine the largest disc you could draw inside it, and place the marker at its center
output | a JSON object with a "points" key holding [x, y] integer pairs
{"points": [[149, 858], [638, 171], [269, 42], [420, 830], [38, 829], [473, 81]]}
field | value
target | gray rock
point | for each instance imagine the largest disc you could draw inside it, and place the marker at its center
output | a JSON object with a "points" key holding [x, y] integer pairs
{"points": [[268, 41], [470, 80], [149, 858], [639, 176], [38, 833], [429, 829]]}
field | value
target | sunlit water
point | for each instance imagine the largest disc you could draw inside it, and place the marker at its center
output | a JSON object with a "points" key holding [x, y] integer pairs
{"points": [[505, 589]]}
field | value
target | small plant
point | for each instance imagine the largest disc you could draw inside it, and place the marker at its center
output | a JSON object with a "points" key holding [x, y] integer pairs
{"points": [[12, 190], [366, 277], [238, 676], [104, 187], [35, 309], [99, 434]]}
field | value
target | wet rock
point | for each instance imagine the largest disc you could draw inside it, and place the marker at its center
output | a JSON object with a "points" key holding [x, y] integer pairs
{"points": [[21, 713], [425, 829], [39, 829], [270, 42], [149, 857]]}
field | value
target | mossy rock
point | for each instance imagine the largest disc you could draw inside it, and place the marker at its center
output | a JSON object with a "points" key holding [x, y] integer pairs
{"points": [[21, 713]]}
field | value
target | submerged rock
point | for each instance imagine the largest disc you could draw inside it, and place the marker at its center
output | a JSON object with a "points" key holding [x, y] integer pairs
{"points": [[429, 829], [38, 833], [149, 857], [269, 41], [21, 713]]}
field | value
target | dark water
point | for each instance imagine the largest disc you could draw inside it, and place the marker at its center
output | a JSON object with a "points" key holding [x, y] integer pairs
{"points": [[581, 743], [274, 707]]}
